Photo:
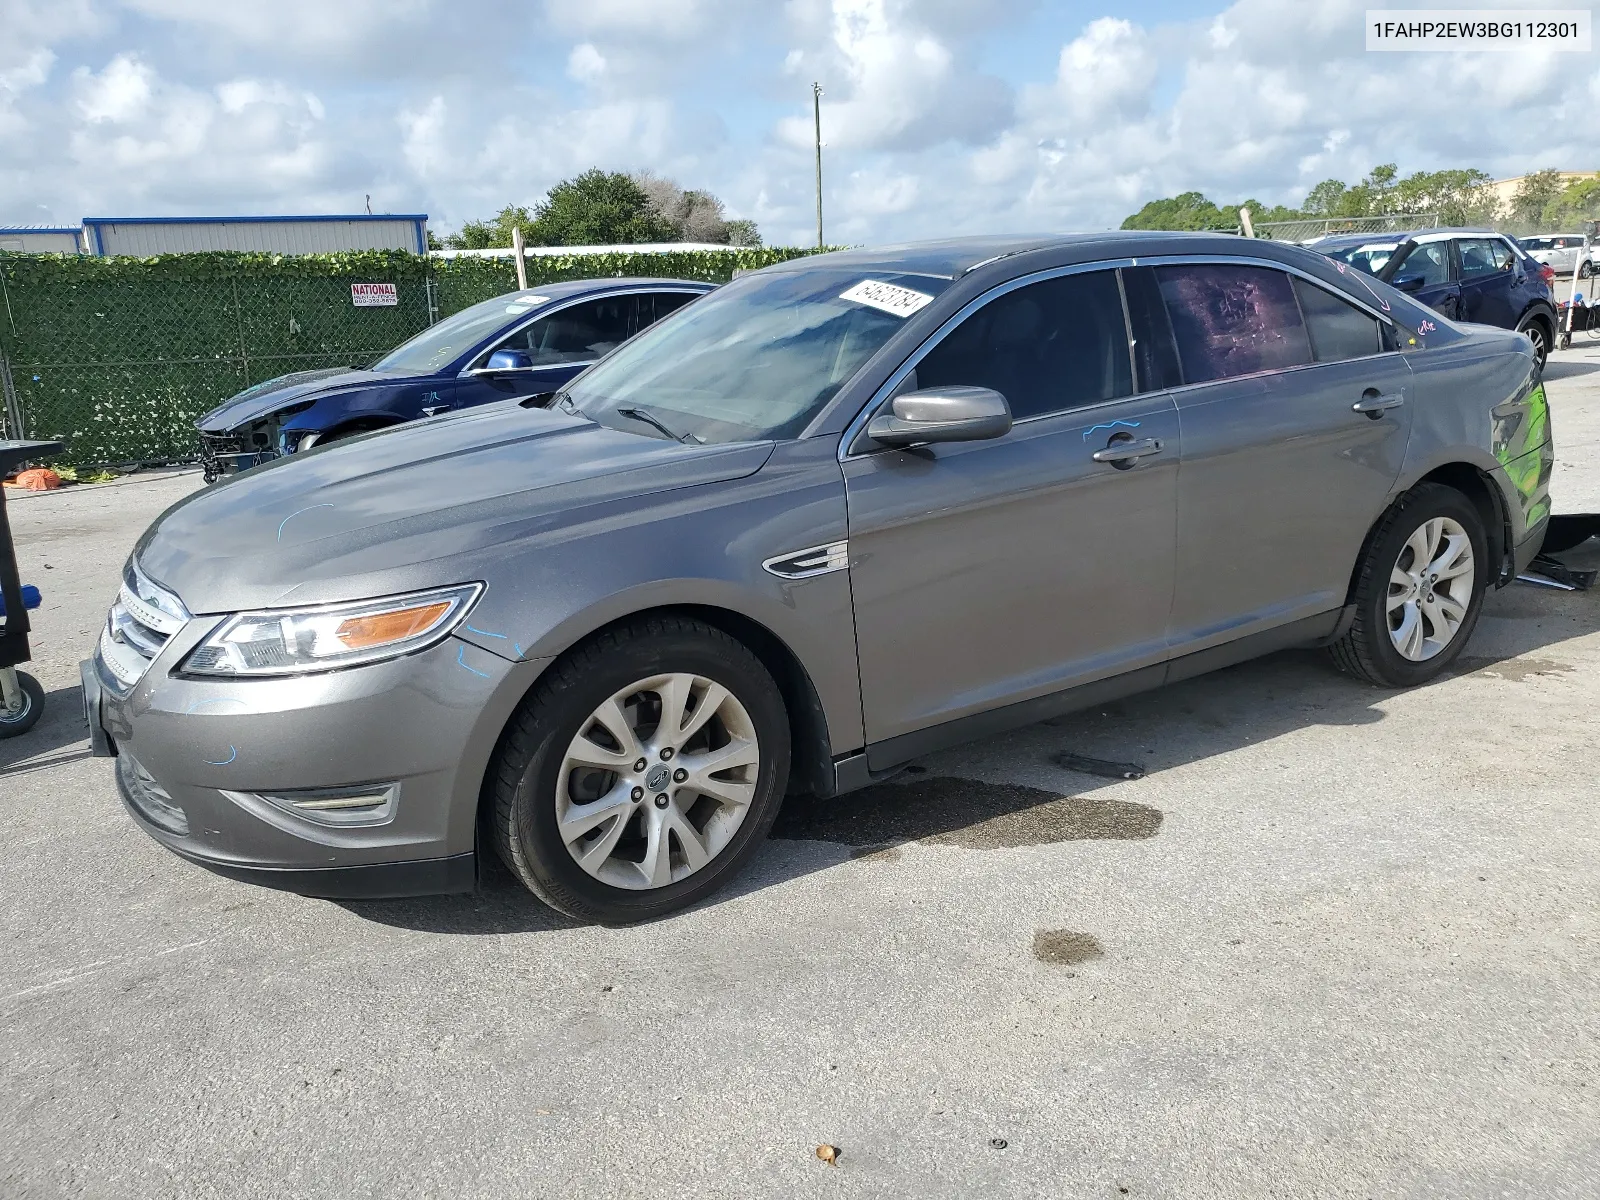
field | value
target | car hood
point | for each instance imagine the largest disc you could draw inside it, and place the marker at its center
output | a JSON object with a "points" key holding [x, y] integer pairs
{"points": [[256, 402], [423, 504]]}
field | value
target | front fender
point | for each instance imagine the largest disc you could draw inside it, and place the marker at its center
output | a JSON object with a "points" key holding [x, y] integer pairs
{"points": [[701, 546]]}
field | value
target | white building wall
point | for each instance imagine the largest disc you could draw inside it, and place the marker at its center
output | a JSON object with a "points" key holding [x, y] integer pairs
{"points": [[41, 241], [276, 236]]}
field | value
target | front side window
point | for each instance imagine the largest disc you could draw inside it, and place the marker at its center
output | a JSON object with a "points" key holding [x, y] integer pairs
{"points": [[1338, 329], [1231, 319], [1047, 347], [1477, 258], [1430, 262], [441, 344], [757, 358]]}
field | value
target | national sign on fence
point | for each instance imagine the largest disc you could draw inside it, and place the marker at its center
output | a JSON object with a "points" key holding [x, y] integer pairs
{"points": [[374, 295]]}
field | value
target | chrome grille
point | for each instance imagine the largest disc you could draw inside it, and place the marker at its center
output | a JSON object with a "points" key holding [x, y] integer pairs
{"points": [[142, 618]]}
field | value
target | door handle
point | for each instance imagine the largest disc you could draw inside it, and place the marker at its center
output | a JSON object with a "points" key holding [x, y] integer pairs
{"points": [[1120, 452], [1375, 404]]}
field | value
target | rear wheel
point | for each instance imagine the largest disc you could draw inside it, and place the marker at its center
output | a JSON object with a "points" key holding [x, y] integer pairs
{"points": [[1585, 270], [1419, 590], [1540, 337], [642, 772]]}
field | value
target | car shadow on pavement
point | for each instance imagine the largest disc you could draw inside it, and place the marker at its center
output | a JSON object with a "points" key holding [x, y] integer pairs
{"points": [[45, 745], [1567, 368], [1009, 791]]}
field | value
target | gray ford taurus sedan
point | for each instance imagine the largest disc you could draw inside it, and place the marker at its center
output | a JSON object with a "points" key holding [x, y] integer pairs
{"points": [[837, 514]]}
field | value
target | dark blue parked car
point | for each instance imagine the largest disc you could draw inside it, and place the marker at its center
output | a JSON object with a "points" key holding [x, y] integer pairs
{"points": [[1466, 274], [520, 346]]}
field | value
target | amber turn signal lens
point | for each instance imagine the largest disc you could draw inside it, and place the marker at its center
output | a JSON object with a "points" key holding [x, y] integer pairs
{"points": [[380, 629]]}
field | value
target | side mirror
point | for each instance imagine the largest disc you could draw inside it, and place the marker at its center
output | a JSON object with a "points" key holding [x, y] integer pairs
{"points": [[1409, 283], [509, 360], [942, 414]]}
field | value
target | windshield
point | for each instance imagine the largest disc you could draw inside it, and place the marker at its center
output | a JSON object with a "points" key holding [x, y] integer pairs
{"points": [[436, 346], [755, 359], [1370, 258]]}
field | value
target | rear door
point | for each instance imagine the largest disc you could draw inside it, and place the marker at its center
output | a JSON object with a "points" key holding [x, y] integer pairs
{"points": [[1488, 282], [985, 573], [1295, 417], [559, 345]]}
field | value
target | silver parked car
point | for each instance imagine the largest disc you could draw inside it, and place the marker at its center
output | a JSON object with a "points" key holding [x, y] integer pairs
{"points": [[837, 514], [1562, 252]]}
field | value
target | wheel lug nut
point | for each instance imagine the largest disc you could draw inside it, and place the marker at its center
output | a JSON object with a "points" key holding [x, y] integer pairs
{"points": [[661, 800], [641, 764], [679, 775], [666, 754], [638, 793]]}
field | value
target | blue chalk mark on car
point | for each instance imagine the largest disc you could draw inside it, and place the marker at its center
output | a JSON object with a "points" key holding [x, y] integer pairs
{"points": [[1112, 425], [232, 754], [461, 660], [295, 514]]}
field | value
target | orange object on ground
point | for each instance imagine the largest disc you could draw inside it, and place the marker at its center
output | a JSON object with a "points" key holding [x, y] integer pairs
{"points": [[38, 479]]}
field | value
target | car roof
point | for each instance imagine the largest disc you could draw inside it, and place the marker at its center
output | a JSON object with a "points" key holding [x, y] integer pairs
{"points": [[950, 258], [568, 288], [1344, 241]]}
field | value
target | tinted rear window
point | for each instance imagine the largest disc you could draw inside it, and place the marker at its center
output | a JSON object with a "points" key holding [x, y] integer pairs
{"points": [[1230, 319]]}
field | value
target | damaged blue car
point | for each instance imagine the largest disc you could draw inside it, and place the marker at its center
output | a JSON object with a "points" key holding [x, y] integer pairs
{"points": [[521, 346]]}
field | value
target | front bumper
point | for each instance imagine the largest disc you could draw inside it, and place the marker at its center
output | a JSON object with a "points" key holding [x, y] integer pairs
{"points": [[224, 453], [198, 759]]}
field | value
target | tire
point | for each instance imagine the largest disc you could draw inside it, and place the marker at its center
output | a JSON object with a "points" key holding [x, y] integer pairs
{"points": [[1369, 649], [535, 779], [1585, 270], [1540, 337], [32, 708]]}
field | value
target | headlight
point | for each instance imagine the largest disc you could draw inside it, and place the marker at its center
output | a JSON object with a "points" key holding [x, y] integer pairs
{"points": [[293, 641]]}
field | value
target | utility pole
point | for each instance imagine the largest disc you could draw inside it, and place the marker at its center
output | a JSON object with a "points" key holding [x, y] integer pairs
{"points": [[816, 112]]}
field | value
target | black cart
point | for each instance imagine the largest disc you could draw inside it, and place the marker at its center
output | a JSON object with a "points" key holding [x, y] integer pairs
{"points": [[21, 697]]}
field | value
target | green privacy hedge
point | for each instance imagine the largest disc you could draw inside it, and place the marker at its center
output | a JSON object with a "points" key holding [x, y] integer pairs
{"points": [[117, 356]]}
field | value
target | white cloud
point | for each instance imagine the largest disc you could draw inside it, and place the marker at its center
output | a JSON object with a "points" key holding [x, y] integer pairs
{"points": [[585, 63], [119, 93]]}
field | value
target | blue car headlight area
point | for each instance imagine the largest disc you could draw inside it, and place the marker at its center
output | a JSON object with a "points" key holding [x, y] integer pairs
{"points": [[296, 641]]}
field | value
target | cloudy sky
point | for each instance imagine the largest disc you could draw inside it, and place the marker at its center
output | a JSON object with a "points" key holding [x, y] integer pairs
{"points": [[939, 116]]}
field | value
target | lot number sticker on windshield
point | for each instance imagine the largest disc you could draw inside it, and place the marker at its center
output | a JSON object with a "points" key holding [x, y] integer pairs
{"points": [[898, 301]]}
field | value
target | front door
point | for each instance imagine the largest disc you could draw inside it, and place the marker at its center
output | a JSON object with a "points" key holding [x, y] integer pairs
{"points": [[1429, 274], [985, 573], [1295, 418]]}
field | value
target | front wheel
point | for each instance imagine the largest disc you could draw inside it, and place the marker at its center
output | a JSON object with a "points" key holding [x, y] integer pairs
{"points": [[1585, 270], [1419, 590], [642, 772]]}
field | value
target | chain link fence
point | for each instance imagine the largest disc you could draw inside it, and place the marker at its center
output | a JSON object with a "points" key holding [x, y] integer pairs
{"points": [[1306, 230], [116, 357]]}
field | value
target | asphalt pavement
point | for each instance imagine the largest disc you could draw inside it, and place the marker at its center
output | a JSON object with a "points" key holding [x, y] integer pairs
{"points": [[1338, 941]]}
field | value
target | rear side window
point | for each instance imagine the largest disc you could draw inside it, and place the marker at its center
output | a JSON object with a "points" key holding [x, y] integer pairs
{"points": [[1477, 257], [1338, 329], [664, 303], [1230, 319], [1048, 347], [1502, 254]]}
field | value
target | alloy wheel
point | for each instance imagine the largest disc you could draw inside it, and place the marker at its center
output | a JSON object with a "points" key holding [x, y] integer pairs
{"points": [[657, 781], [1430, 589], [1541, 346]]}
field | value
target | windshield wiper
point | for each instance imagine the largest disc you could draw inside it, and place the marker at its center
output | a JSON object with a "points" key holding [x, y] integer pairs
{"points": [[649, 418]]}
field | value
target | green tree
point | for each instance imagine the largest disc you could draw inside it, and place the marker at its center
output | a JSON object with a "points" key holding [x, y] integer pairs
{"points": [[1460, 197], [1190, 210], [495, 233], [1535, 194], [742, 232], [598, 208]]}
